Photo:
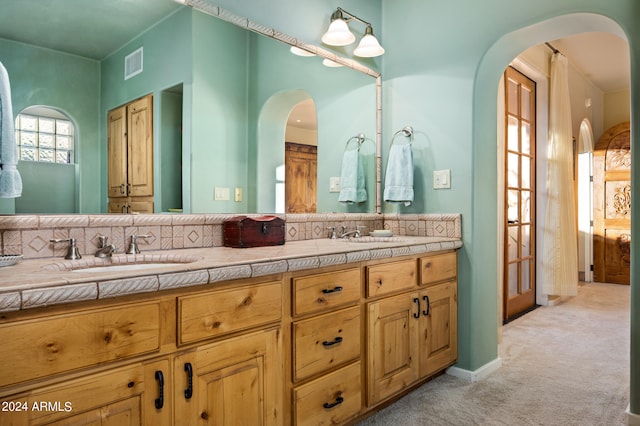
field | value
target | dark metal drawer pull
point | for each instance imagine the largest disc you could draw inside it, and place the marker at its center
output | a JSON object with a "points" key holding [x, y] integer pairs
{"points": [[160, 398], [335, 342], [416, 314], [426, 311], [339, 400], [188, 392], [332, 290]]}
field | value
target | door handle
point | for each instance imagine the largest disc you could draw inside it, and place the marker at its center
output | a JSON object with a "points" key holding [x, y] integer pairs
{"points": [[160, 399], [416, 314], [426, 311], [188, 392]]}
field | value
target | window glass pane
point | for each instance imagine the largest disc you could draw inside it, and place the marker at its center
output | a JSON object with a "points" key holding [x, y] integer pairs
{"points": [[526, 172], [525, 111], [46, 125], [28, 154], [512, 242], [513, 279], [28, 122], [64, 142], [513, 168], [526, 276], [45, 140], [28, 138], [46, 155], [525, 201], [512, 135], [63, 157], [64, 127], [514, 204], [512, 96], [526, 137], [526, 241]]}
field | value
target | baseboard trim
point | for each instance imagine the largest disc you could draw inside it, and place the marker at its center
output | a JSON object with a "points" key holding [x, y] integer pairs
{"points": [[476, 375], [632, 419]]}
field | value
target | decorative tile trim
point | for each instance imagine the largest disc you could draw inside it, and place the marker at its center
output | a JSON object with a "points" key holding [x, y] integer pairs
{"points": [[302, 263], [10, 302], [380, 253], [333, 259], [183, 279], [57, 295], [122, 287], [229, 273], [268, 268], [358, 256]]}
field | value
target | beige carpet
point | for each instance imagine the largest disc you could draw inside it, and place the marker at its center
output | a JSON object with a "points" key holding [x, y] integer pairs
{"points": [[566, 364]]}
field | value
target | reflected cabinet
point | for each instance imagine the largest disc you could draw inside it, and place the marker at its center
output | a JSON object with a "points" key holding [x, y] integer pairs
{"points": [[130, 157]]}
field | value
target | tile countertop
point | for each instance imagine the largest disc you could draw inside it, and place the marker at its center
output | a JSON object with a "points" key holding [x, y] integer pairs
{"points": [[43, 282]]}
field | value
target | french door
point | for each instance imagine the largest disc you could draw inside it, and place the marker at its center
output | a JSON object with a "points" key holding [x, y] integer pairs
{"points": [[519, 255]]}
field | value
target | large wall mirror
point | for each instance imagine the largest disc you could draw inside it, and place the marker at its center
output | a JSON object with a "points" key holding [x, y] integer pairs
{"points": [[227, 100]]}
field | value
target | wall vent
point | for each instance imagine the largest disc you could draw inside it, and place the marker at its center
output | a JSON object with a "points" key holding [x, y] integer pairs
{"points": [[133, 64]]}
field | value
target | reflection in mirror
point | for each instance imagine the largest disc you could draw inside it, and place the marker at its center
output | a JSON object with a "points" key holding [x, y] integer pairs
{"points": [[218, 113]]}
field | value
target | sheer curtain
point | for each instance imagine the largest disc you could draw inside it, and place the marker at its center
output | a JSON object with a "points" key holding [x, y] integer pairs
{"points": [[560, 252]]}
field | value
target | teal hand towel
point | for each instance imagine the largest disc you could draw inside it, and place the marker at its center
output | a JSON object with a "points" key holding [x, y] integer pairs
{"points": [[10, 181], [398, 182], [352, 187]]}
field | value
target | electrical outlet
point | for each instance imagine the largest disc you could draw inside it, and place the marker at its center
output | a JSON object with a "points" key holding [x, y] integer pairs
{"points": [[221, 194], [441, 179]]}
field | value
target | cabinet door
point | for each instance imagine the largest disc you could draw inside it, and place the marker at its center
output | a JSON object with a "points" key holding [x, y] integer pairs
{"points": [[438, 328], [392, 346], [117, 152], [140, 135], [233, 382]]}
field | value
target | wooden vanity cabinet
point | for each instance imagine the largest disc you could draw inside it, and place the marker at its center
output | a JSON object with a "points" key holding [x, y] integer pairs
{"points": [[326, 370], [130, 157], [410, 335]]}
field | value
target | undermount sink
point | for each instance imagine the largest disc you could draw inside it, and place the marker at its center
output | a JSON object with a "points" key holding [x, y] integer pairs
{"points": [[122, 262], [373, 240]]}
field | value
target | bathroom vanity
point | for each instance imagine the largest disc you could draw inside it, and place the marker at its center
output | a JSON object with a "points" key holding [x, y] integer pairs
{"points": [[312, 332]]}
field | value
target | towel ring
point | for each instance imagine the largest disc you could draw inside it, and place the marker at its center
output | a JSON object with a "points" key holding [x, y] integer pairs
{"points": [[359, 138], [406, 131]]}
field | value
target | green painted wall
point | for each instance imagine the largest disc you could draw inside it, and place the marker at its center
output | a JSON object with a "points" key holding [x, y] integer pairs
{"points": [[71, 84]]}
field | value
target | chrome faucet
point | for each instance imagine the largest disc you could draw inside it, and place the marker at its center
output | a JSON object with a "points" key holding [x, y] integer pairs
{"points": [[104, 249], [73, 253], [346, 234], [133, 247]]}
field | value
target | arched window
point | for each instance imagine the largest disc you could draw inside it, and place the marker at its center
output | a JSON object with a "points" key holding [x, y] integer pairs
{"points": [[46, 135]]}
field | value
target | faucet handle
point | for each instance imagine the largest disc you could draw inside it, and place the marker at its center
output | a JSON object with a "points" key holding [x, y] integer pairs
{"points": [[133, 247], [358, 228], [333, 234], [73, 253], [103, 241]]}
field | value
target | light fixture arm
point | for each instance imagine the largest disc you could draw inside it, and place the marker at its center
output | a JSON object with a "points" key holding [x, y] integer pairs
{"points": [[340, 12]]}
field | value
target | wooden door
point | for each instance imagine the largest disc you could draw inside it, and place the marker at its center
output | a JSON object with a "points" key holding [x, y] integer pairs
{"points": [[519, 254], [117, 152], [612, 206], [234, 382], [392, 351], [438, 328], [140, 147], [301, 171]]}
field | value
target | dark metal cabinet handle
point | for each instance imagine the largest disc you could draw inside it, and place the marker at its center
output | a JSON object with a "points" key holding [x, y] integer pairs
{"points": [[339, 400], [188, 392], [416, 314], [160, 398], [426, 311], [332, 290], [334, 342]]}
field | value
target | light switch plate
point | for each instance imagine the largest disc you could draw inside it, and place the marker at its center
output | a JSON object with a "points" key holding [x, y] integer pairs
{"points": [[221, 194], [334, 184], [238, 195], [441, 179]]}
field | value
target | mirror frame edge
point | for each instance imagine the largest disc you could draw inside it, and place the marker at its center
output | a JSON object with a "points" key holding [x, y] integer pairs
{"points": [[253, 26]]}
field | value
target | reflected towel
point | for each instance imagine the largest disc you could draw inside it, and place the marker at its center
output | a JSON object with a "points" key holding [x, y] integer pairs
{"points": [[398, 182], [10, 181], [352, 188]]}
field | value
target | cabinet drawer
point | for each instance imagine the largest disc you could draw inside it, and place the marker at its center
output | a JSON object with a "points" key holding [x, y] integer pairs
{"points": [[438, 268], [71, 341], [391, 277], [332, 399], [216, 313], [324, 291], [326, 341]]}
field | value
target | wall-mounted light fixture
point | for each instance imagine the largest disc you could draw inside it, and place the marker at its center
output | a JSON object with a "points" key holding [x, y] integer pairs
{"points": [[339, 34]]}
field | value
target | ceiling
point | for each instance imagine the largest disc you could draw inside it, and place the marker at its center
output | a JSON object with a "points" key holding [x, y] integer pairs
{"points": [[92, 28], [97, 28], [601, 57]]}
